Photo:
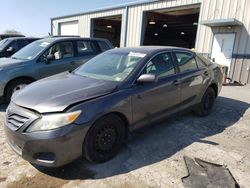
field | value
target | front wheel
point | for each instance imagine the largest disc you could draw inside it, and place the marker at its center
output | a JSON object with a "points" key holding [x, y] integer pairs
{"points": [[15, 86], [104, 139], [207, 103]]}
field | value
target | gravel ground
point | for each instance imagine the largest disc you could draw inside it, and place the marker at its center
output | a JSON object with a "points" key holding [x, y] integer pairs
{"points": [[153, 156]]}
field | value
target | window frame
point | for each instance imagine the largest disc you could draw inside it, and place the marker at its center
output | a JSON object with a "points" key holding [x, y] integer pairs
{"points": [[56, 43], [148, 61]]}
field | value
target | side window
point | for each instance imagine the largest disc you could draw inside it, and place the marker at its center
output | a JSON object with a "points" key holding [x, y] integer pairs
{"points": [[60, 50], [103, 46], [14, 45], [186, 61], [22, 43], [161, 65], [200, 63], [84, 47]]}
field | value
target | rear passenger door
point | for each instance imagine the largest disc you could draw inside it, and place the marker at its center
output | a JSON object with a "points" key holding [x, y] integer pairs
{"points": [[85, 50], [64, 59], [192, 78]]}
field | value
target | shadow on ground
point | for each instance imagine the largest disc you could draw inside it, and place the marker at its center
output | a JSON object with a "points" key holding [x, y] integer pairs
{"points": [[158, 142]]}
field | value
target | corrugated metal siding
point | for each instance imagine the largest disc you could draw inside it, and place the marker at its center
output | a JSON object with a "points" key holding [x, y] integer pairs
{"points": [[135, 18], [223, 9], [210, 10], [136, 15], [85, 21]]}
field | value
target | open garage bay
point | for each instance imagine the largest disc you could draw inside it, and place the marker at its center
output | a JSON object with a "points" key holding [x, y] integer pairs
{"points": [[171, 27]]}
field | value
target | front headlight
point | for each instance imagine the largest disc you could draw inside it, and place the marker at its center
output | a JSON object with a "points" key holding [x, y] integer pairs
{"points": [[53, 121]]}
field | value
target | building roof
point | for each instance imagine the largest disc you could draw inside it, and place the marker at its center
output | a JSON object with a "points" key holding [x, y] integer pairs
{"points": [[107, 8]]}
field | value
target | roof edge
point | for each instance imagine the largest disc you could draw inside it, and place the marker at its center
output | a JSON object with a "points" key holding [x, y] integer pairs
{"points": [[221, 22], [106, 9]]}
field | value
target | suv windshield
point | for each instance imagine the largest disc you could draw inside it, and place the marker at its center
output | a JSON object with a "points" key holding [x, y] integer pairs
{"points": [[3, 43], [111, 66], [31, 51]]}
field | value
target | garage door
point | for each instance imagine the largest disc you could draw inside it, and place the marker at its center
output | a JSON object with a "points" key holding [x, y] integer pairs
{"points": [[69, 28]]}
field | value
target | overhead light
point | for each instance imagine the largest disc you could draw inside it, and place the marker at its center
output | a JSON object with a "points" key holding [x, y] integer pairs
{"points": [[195, 23], [152, 22], [182, 33], [165, 26], [156, 34], [109, 26], [229, 27]]}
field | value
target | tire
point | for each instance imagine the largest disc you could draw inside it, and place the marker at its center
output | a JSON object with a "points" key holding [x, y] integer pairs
{"points": [[12, 86], [104, 139], [205, 107]]}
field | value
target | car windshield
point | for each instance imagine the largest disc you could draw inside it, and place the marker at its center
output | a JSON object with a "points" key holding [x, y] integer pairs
{"points": [[110, 66], [3, 43], [31, 51]]}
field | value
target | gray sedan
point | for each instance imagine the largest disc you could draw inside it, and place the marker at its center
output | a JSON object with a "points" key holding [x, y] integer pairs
{"points": [[91, 110]]}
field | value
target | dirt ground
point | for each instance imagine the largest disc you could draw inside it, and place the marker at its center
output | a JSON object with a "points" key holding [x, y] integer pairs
{"points": [[153, 156]]}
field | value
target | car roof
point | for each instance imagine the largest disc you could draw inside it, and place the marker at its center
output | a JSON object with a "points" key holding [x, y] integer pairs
{"points": [[58, 38], [3, 35], [17, 38], [147, 49]]}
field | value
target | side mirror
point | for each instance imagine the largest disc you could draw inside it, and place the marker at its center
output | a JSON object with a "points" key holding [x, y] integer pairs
{"points": [[147, 78], [49, 58], [10, 49]]}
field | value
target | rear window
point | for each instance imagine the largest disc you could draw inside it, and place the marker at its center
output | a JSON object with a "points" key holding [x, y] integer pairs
{"points": [[103, 46], [204, 60], [200, 63]]}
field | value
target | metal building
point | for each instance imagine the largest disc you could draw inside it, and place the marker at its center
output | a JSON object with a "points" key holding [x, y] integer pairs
{"points": [[217, 28]]}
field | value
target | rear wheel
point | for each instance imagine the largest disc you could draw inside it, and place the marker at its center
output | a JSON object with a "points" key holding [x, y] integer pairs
{"points": [[15, 86], [104, 139], [207, 103]]}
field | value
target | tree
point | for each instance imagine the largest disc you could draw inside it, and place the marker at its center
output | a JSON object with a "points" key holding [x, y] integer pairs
{"points": [[12, 31]]}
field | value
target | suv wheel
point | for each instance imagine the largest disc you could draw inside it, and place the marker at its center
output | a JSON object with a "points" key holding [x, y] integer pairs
{"points": [[104, 139], [15, 86], [207, 103]]}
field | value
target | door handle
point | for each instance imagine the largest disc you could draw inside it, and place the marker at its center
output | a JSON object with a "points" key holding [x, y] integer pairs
{"points": [[176, 82]]}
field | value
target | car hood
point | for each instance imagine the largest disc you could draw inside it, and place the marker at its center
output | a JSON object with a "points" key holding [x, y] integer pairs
{"points": [[56, 93], [6, 62]]}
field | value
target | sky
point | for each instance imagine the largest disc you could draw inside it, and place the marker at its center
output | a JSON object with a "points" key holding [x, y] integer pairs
{"points": [[32, 17]]}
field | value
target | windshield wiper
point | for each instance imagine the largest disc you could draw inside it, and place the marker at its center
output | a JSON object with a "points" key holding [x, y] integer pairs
{"points": [[18, 58]]}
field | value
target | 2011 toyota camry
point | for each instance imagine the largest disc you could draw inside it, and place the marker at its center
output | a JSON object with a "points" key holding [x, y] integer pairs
{"points": [[91, 110]]}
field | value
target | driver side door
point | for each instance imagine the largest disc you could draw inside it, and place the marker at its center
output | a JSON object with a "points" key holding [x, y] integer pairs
{"points": [[64, 59], [153, 101]]}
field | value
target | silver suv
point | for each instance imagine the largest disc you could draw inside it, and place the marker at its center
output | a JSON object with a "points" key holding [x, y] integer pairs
{"points": [[44, 58]]}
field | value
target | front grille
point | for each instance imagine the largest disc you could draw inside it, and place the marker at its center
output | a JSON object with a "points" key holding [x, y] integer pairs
{"points": [[16, 120]]}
